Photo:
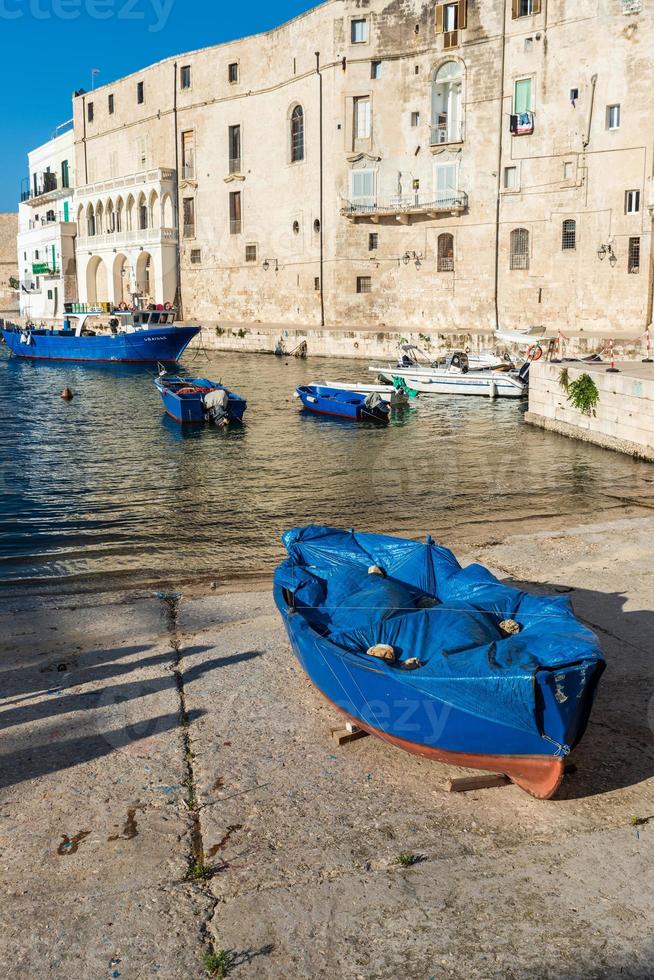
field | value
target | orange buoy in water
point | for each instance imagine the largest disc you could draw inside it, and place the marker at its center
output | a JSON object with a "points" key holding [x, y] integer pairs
{"points": [[67, 394]]}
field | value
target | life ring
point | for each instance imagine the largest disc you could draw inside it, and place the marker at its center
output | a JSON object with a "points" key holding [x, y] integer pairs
{"points": [[122, 306], [168, 306], [535, 352], [356, 345]]}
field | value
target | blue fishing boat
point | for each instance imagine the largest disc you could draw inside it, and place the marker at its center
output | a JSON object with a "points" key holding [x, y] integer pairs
{"points": [[355, 405], [131, 336], [440, 660], [199, 400]]}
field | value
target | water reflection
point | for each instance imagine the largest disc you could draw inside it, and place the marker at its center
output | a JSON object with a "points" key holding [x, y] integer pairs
{"points": [[107, 485]]}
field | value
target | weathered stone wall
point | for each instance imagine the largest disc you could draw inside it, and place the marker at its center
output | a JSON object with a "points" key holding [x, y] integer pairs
{"points": [[623, 418], [571, 167], [8, 261]]}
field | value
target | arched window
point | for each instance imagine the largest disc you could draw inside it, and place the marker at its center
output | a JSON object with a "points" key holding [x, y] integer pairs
{"points": [[445, 252], [447, 104], [519, 248], [90, 221], [142, 213], [297, 134], [569, 234]]}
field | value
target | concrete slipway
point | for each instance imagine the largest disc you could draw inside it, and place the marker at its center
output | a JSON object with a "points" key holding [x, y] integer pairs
{"points": [[136, 731]]}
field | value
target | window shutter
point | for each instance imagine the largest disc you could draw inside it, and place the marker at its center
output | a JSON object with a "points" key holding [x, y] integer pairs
{"points": [[515, 9], [536, 7], [439, 18], [462, 15]]}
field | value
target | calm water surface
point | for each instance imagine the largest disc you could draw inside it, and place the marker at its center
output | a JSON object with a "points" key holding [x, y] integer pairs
{"points": [[107, 490]]}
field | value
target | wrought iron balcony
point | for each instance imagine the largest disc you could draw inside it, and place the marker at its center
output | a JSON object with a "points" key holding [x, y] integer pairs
{"points": [[404, 208], [44, 186]]}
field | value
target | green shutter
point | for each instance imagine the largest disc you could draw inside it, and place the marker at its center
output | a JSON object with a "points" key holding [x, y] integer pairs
{"points": [[522, 97], [66, 218]]}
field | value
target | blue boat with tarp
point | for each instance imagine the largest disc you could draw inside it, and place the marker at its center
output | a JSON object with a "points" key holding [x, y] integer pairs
{"points": [[199, 400], [130, 336], [341, 403], [441, 660]]}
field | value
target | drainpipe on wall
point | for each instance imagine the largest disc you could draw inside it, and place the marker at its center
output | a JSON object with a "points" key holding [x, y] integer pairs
{"points": [[178, 254], [586, 140], [499, 171], [322, 249]]}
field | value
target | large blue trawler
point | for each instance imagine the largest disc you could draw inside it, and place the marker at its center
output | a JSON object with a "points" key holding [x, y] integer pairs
{"points": [[133, 336]]}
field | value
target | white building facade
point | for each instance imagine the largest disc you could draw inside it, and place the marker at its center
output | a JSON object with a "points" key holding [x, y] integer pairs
{"points": [[127, 239], [47, 230]]}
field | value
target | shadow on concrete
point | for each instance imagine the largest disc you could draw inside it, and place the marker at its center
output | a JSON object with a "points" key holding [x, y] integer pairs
{"points": [[88, 691], [56, 755], [617, 749]]}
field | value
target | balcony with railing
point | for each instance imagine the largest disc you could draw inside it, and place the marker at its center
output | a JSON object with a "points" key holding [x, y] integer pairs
{"points": [[43, 187], [157, 175], [445, 129], [132, 236], [404, 208]]}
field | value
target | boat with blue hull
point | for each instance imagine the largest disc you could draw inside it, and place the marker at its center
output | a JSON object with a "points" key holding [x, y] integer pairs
{"points": [[443, 661], [199, 400], [132, 337], [341, 403]]}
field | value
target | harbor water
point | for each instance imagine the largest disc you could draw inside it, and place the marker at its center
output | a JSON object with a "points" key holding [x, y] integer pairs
{"points": [[105, 490]]}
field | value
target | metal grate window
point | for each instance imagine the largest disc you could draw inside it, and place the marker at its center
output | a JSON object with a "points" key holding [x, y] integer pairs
{"points": [[232, 71], [634, 255], [188, 209], [364, 284], [196, 256], [140, 92], [519, 249], [185, 76], [373, 241], [445, 252], [569, 234], [316, 283], [250, 253], [297, 134], [235, 213]]}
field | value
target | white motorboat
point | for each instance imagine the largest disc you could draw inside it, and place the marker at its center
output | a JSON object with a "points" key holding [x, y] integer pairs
{"points": [[455, 378], [396, 397], [485, 360]]}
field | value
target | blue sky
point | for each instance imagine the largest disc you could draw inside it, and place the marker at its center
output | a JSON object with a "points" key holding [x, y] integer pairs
{"points": [[50, 46]]}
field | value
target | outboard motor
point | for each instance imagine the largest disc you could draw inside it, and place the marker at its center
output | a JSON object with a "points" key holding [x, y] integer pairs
{"points": [[374, 407], [215, 406], [523, 373]]}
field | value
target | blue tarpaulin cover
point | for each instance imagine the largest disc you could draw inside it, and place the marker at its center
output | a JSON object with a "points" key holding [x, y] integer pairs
{"points": [[426, 605]]}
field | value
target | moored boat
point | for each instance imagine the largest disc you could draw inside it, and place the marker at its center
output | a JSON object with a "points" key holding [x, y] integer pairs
{"points": [[132, 336], [397, 397], [455, 378], [357, 406], [199, 400], [443, 661]]}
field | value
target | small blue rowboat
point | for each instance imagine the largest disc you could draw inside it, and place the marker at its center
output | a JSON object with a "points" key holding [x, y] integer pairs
{"points": [[199, 400], [440, 660], [355, 405]]}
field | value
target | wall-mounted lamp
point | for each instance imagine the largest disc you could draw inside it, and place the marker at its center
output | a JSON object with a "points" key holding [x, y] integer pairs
{"points": [[267, 264], [605, 250], [406, 258]]}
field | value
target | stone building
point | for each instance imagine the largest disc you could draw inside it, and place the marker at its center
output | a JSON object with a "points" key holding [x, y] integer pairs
{"points": [[417, 165], [8, 263], [46, 230]]}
